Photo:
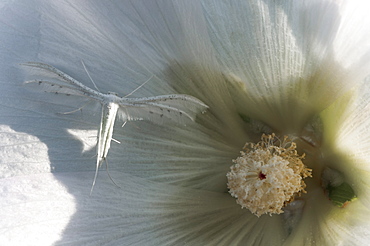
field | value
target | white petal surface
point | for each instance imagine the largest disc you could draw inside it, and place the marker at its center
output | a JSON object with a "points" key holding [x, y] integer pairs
{"points": [[293, 57], [34, 206], [136, 214]]}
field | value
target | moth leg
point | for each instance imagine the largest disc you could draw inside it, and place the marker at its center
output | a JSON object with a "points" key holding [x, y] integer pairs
{"points": [[74, 111], [110, 177], [115, 140], [98, 163]]}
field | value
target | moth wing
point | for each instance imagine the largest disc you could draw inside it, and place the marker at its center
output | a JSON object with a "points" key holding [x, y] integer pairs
{"points": [[153, 112], [54, 87], [178, 108], [55, 81]]}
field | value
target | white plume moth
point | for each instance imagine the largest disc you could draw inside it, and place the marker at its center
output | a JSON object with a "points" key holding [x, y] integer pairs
{"points": [[174, 107]]}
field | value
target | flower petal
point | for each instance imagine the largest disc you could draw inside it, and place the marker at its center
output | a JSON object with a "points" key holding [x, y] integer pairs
{"points": [[290, 56], [136, 214], [35, 208]]}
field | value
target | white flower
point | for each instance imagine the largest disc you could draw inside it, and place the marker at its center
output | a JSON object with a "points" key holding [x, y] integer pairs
{"points": [[289, 68]]}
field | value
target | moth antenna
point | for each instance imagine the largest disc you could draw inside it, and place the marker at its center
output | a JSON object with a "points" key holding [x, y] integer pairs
{"points": [[137, 88], [88, 74]]}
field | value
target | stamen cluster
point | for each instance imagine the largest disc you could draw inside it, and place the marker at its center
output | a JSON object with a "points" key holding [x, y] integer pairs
{"points": [[266, 177]]}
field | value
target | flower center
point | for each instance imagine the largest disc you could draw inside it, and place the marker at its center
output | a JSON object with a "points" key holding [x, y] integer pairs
{"points": [[261, 176], [266, 177]]}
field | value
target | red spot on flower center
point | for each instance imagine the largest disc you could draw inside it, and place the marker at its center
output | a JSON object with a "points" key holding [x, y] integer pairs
{"points": [[261, 176]]}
